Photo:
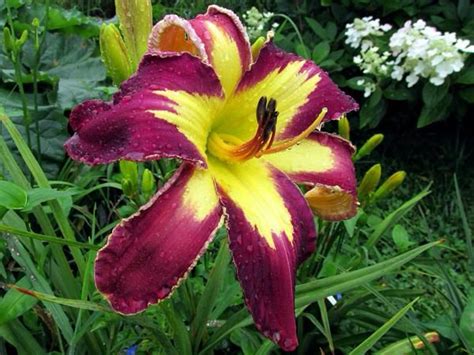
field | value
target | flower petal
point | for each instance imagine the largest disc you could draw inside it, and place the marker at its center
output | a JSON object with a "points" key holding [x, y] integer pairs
{"points": [[271, 231], [300, 88], [323, 161], [164, 110], [218, 37], [148, 254]]}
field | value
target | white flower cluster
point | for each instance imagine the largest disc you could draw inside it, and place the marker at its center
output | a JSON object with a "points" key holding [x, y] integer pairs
{"points": [[415, 50], [422, 51], [361, 32], [256, 22]]}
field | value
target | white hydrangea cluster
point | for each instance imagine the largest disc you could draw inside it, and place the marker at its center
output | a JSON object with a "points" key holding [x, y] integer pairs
{"points": [[361, 32], [422, 51], [256, 22], [415, 50]]}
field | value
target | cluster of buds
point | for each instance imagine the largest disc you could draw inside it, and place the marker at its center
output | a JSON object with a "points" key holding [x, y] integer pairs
{"points": [[122, 50], [369, 189], [137, 188]]}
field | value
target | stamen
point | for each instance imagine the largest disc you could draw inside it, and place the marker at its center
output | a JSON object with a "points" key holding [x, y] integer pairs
{"points": [[285, 144]]}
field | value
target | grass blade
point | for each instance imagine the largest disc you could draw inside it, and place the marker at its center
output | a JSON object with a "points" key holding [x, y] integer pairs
{"points": [[368, 343]]}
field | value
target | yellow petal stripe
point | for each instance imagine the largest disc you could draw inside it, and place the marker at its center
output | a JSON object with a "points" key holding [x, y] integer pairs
{"points": [[288, 86], [308, 155], [200, 195], [251, 187], [225, 58], [194, 115]]}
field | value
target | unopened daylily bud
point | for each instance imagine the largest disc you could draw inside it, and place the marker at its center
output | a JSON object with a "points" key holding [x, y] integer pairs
{"points": [[389, 185], [129, 170], [114, 54], [135, 23], [127, 187], [7, 39], [344, 128], [35, 22], [370, 181], [256, 46], [369, 146], [148, 183], [21, 41]]}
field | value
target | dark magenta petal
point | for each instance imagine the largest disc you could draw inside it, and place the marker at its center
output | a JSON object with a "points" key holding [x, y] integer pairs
{"points": [[148, 254], [149, 115], [267, 273]]}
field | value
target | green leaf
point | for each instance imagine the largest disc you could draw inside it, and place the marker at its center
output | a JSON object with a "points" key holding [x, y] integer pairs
{"points": [[317, 28], [368, 343], [40, 195], [467, 94], [210, 294], [467, 320], [321, 51], [435, 113], [393, 218], [12, 196], [21, 338], [433, 94], [466, 76], [400, 237], [373, 110], [14, 304]]}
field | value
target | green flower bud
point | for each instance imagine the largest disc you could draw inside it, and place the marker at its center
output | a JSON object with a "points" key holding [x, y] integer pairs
{"points": [[256, 46], [148, 183], [114, 54], [127, 187], [389, 185], [35, 22], [129, 170], [370, 181], [21, 41], [7, 40], [344, 128], [369, 146], [135, 23]]}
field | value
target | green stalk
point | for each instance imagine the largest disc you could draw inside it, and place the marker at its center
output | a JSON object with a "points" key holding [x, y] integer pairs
{"points": [[42, 181]]}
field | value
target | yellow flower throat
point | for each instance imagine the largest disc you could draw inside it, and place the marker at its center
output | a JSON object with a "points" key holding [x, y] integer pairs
{"points": [[229, 148]]}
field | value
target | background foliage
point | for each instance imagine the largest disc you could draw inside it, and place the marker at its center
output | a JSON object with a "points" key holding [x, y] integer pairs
{"points": [[55, 213]]}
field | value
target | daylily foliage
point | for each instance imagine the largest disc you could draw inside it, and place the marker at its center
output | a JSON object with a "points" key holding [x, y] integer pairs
{"points": [[246, 128]]}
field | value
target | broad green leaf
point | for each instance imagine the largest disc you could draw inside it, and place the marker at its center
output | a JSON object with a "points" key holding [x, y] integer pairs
{"points": [[12, 196], [405, 346], [432, 94], [467, 94], [14, 304], [439, 111], [401, 238], [180, 332], [317, 28], [321, 52], [367, 344], [466, 76], [39, 195]]}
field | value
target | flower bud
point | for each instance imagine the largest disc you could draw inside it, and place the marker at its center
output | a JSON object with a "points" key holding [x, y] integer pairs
{"points": [[369, 146], [370, 181], [35, 22], [344, 128], [21, 41], [135, 23], [114, 54], [389, 185], [7, 40], [127, 187], [148, 183], [256, 46], [129, 170]]}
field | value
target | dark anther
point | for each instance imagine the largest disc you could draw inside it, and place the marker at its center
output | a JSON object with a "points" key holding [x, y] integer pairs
{"points": [[261, 109], [270, 125]]}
